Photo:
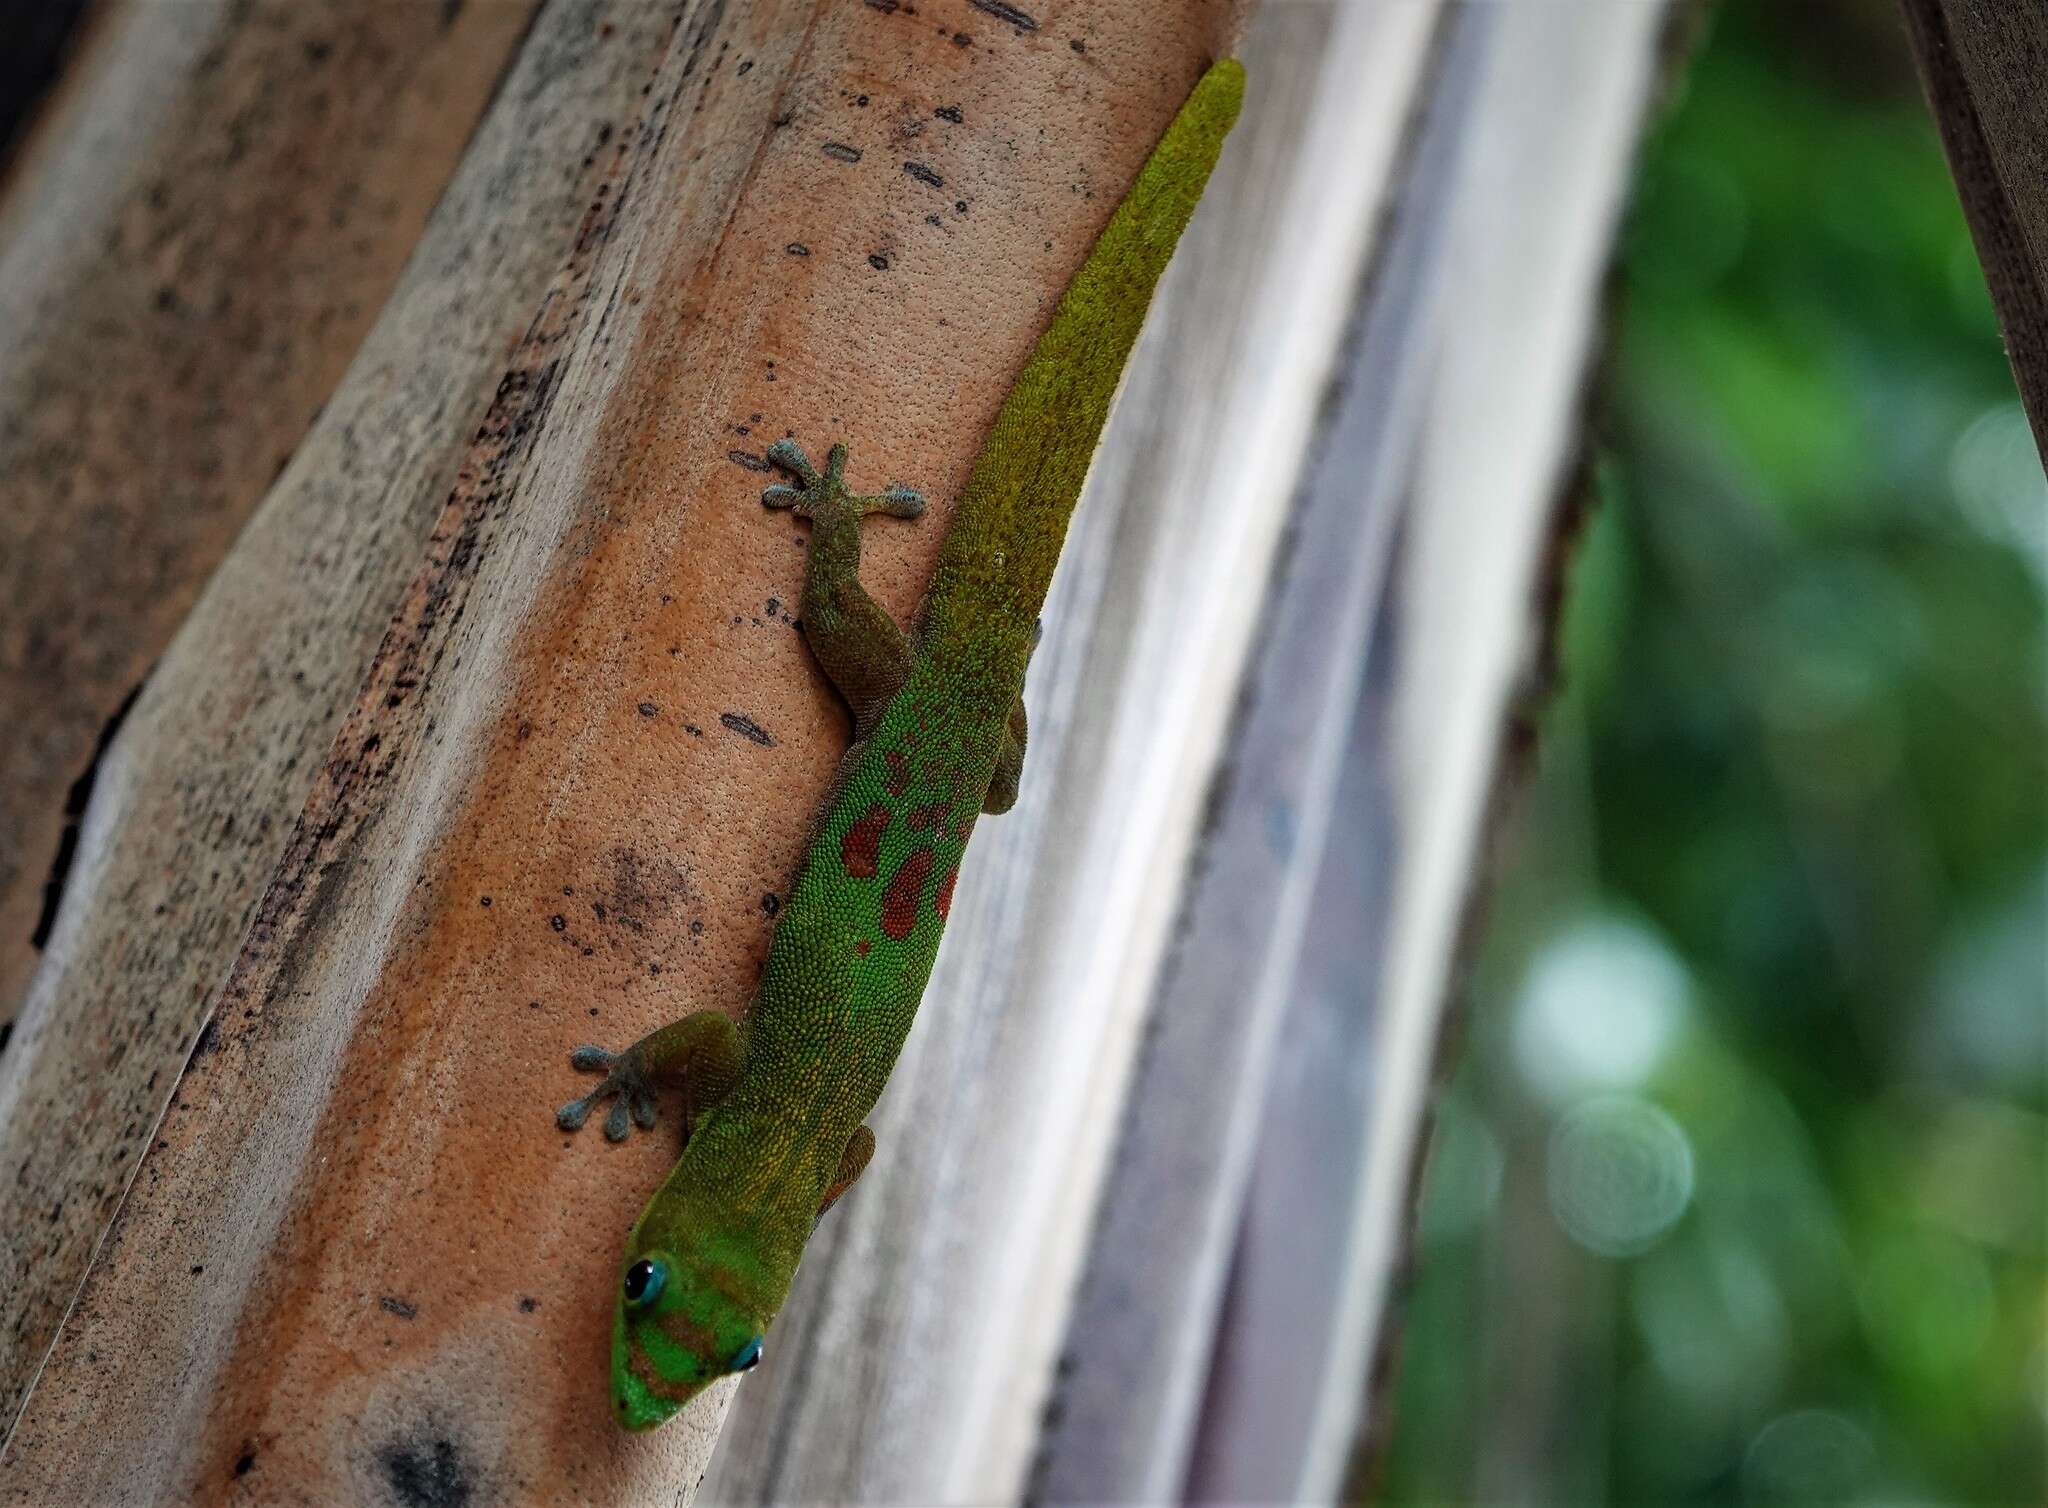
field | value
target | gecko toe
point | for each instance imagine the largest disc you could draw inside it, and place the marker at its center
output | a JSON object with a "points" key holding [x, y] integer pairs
{"points": [[643, 1109], [790, 456], [615, 1124], [572, 1115], [781, 495], [587, 1059]]}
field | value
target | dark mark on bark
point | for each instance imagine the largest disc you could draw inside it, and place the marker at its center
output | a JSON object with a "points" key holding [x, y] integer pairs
{"points": [[839, 151], [950, 112], [879, 262], [426, 1474], [1004, 12], [749, 460], [797, 249], [398, 1307], [747, 728], [924, 174]]}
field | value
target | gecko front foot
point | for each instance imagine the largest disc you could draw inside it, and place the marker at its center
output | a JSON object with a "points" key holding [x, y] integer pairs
{"points": [[698, 1055], [626, 1083], [824, 492]]}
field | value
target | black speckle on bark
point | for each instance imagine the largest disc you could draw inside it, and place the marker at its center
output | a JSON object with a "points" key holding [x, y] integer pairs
{"points": [[747, 728], [1005, 12]]}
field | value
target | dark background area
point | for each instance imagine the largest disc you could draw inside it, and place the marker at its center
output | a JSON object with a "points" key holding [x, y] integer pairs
{"points": [[36, 37]]}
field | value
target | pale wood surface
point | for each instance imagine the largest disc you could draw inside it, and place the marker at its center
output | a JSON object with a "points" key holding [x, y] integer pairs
{"points": [[356, 1255], [1140, 1338], [1570, 87], [1983, 63], [196, 798], [1223, 1340], [196, 237]]}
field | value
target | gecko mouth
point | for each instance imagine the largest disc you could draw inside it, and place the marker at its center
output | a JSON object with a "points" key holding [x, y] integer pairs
{"points": [[641, 1397], [637, 1406]]}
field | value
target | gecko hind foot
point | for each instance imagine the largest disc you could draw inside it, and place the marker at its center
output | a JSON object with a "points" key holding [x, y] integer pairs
{"points": [[826, 491], [625, 1083]]}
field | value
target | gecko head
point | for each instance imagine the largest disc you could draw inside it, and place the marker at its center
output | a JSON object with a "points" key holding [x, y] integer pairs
{"points": [[683, 1320]]}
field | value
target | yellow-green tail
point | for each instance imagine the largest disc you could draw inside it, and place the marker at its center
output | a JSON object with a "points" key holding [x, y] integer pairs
{"points": [[1005, 537]]}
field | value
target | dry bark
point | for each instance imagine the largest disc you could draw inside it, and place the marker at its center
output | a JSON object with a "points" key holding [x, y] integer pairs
{"points": [[357, 1258], [193, 802], [213, 209]]}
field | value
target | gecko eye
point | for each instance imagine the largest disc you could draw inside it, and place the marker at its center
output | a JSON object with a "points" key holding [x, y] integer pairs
{"points": [[644, 1282], [747, 1356]]}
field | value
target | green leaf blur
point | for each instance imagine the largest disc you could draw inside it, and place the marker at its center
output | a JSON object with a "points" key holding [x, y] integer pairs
{"points": [[1774, 950]]}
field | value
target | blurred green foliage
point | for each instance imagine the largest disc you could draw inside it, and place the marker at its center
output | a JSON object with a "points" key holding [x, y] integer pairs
{"points": [[1739, 1194]]}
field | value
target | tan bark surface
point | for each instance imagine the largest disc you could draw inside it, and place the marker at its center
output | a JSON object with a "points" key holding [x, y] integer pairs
{"points": [[358, 1258], [193, 802], [202, 228]]}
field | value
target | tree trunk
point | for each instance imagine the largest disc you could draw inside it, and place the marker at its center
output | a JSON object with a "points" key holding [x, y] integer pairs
{"points": [[584, 759], [199, 233], [1983, 62], [328, 939]]}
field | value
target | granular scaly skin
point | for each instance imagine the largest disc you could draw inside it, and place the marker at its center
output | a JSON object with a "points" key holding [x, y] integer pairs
{"points": [[775, 1109]]}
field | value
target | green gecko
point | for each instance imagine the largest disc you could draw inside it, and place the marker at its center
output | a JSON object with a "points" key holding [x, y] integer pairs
{"points": [[773, 1110]]}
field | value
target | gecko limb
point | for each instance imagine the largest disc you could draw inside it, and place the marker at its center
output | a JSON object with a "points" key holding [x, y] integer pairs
{"points": [[857, 644], [852, 1162], [700, 1055], [1002, 788]]}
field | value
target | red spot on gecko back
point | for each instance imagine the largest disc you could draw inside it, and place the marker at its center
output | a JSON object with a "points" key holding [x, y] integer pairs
{"points": [[927, 816], [906, 889], [860, 851], [943, 901], [899, 772]]}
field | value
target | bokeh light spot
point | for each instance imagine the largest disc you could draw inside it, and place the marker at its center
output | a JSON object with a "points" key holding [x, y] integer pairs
{"points": [[1620, 1175], [1807, 1459], [1599, 1008]]}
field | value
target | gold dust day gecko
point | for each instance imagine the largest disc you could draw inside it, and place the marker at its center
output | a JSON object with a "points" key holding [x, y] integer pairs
{"points": [[773, 1110]]}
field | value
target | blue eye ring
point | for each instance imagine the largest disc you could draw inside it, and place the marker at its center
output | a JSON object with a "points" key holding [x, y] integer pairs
{"points": [[643, 1282], [748, 1356]]}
